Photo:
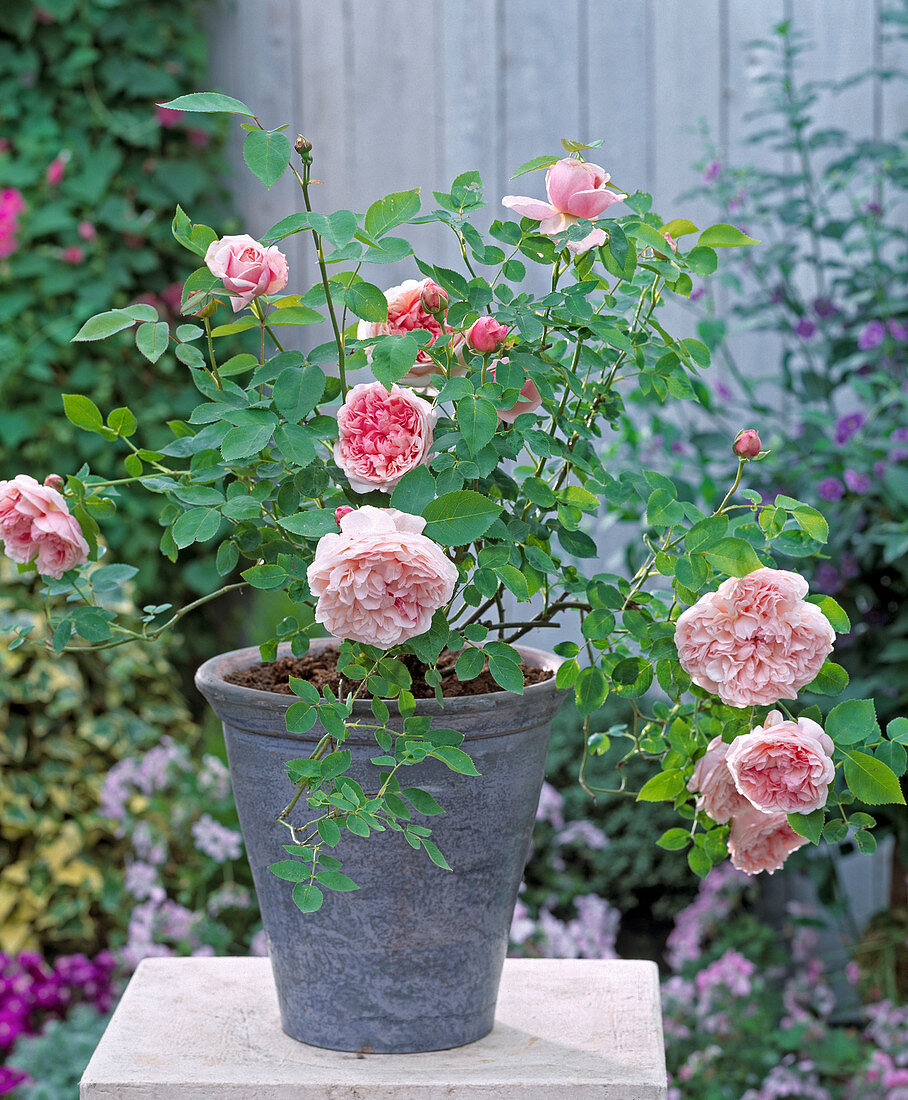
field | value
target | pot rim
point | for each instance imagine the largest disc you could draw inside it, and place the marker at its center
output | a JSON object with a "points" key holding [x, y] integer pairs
{"points": [[209, 680]]}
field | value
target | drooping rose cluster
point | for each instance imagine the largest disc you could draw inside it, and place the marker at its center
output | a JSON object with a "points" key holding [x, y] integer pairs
{"points": [[576, 189], [754, 640], [406, 312], [247, 268], [778, 768], [11, 206], [36, 525], [382, 435], [380, 580]]}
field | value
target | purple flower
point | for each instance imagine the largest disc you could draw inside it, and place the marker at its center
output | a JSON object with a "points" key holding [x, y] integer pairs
{"points": [[897, 330], [899, 435], [142, 881], [873, 208], [879, 468], [857, 483], [697, 293], [805, 328], [849, 567], [723, 392], [713, 169], [827, 578], [831, 489], [847, 426], [215, 840], [584, 833], [824, 307], [550, 806], [871, 335]]}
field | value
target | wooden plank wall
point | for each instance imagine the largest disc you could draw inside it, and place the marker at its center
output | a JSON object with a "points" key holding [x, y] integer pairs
{"points": [[396, 94]]}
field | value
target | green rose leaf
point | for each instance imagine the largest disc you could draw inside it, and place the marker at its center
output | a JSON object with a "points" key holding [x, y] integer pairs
{"points": [[394, 209], [370, 303], [414, 491], [590, 690], [871, 780], [535, 164], [334, 880], [837, 617], [733, 556], [208, 103], [456, 759], [724, 236], [808, 825], [897, 731], [455, 519], [832, 679], [103, 325], [632, 677], [662, 787], [297, 391], [392, 358], [673, 840], [265, 576], [267, 154], [311, 524], [421, 800], [469, 664], [477, 420], [152, 339], [852, 722], [308, 897]]}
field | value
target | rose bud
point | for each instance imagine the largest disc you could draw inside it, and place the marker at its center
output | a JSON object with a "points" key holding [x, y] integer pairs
{"points": [[340, 512], [432, 298], [486, 335], [54, 481], [747, 444]]}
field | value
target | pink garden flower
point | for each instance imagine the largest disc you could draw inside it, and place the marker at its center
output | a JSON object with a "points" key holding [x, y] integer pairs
{"points": [[57, 169], [406, 313], [380, 580], [783, 767], [246, 268], [382, 435], [712, 781], [486, 335], [755, 640], [529, 401], [576, 189], [761, 842], [167, 117], [747, 443], [35, 525], [73, 255]]}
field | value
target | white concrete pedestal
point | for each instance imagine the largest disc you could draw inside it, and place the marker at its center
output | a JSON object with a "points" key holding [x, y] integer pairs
{"points": [[565, 1029]]}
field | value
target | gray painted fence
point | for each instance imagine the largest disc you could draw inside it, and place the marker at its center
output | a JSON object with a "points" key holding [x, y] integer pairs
{"points": [[395, 94]]}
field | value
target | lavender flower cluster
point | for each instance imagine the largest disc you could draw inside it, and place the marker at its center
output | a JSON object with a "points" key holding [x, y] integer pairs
{"points": [[33, 991]]}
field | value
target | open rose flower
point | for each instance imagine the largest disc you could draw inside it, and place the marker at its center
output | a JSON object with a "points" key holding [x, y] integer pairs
{"points": [[761, 842], [246, 268], [382, 435], [380, 580], [783, 767], [712, 781], [754, 640], [406, 313], [576, 189], [35, 525]]}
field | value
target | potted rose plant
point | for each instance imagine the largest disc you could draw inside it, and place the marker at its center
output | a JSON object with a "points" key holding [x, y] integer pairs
{"points": [[428, 518]]}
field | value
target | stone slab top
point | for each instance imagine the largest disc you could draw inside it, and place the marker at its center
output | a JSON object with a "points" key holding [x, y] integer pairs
{"points": [[565, 1029]]}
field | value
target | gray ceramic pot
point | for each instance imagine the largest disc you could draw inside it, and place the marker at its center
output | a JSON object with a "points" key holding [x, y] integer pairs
{"points": [[412, 960]]}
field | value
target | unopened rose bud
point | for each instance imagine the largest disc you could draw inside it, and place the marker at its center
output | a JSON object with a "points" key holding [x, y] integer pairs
{"points": [[206, 310], [433, 299], [486, 335], [747, 444], [54, 481], [339, 514], [304, 147]]}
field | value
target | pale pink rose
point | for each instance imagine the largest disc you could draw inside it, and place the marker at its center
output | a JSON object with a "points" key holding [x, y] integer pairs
{"points": [[380, 580], [382, 435], [406, 313], [783, 767], [246, 268], [35, 525], [755, 640], [761, 842], [712, 781], [529, 401], [576, 189], [486, 335]]}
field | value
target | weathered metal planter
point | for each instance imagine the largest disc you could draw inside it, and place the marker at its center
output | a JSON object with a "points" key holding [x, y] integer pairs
{"points": [[412, 960]]}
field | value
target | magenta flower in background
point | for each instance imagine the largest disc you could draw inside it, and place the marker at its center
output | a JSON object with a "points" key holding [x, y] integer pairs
{"points": [[11, 206], [697, 293], [56, 169], [847, 426], [857, 483], [167, 117], [713, 171], [73, 255], [87, 231], [831, 489], [897, 330], [805, 328], [871, 335]]}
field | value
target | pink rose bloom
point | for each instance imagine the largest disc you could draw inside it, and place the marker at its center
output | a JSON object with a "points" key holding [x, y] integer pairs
{"points": [[529, 401], [783, 767], [380, 580], [712, 781], [406, 313], [246, 268], [755, 640], [167, 117], [35, 525], [747, 443], [761, 842], [486, 335], [87, 231], [73, 254], [382, 435], [56, 170], [576, 189], [339, 513]]}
